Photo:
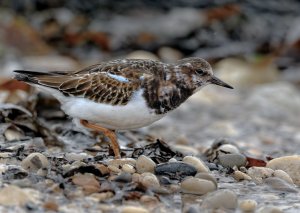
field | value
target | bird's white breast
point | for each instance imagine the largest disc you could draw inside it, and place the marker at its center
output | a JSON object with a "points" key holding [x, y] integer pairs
{"points": [[135, 114]]}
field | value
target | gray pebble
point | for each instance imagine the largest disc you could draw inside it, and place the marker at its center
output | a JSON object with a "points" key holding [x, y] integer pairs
{"points": [[279, 184], [226, 199], [231, 160], [34, 162], [269, 209], [175, 168]]}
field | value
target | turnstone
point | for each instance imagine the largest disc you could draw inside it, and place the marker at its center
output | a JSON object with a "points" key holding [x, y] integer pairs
{"points": [[124, 94]]}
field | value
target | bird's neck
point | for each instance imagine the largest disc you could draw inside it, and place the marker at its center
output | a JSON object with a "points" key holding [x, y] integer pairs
{"points": [[163, 96]]}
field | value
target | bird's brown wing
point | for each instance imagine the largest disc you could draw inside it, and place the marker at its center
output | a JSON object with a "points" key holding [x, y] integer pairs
{"points": [[109, 83]]}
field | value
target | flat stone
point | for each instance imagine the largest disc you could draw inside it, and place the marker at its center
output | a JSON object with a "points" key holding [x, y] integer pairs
{"points": [[225, 198], [34, 162], [197, 186], [289, 164], [283, 175], [197, 163], [145, 164], [175, 168]]}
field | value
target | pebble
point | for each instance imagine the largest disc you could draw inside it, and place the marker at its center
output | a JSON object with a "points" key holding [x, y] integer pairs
{"points": [[186, 150], [149, 200], [172, 160], [197, 186], [128, 168], [248, 205], [225, 198], [123, 177], [76, 156], [136, 177], [289, 164], [87, 181], [133, 209], [102, 196], [228, 149], [114, 169], [34, 162], [148, 179], [238, 175], [11, 135], [279, 184], [120, 162], [206, 176], [180, 168], [283, 175], [269, 209], [231, 160], [260, 173], [14, 196], [197, 163], [145, 164]]}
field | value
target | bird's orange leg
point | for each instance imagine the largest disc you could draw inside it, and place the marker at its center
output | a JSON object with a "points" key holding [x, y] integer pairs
{"points": [[110, 134]]}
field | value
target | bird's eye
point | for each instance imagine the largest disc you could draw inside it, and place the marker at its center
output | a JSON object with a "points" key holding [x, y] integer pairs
{"points": [[199, 72]]}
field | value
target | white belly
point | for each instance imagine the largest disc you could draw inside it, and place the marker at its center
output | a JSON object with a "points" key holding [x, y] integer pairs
{"points": [[134, 115]]}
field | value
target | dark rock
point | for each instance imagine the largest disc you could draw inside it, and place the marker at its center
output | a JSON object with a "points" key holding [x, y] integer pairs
{"points": [[175, 169]]}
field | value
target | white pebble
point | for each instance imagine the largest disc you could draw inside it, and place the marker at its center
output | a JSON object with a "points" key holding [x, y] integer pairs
{"points": [[149, 180], [34, 162], [197, 186], [197, 163], [283, 175], [248, 205], [128, 168], [145, 164]]}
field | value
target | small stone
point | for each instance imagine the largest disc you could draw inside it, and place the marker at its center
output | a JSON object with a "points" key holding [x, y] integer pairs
{"points": [[102, 196], [259, 173], [279, 184], [149, 180], [136, 177], [6, 154], [231, 160], [149, 200], [128, 168], [269, 209], [238, 175], [197, 186], [226, 199], [123, 177], [76, 156], [186, 150], [50, 206], [120, 162], [283, 175], [102, 168], [207, 176], [172, 160], [197, 163], [114, 169], [133, 209], [12, 134], [178, 168], [248, 205], [145, 164], [14, 196], [34, 162], [228, 149], [87, 181], [289, 164]]}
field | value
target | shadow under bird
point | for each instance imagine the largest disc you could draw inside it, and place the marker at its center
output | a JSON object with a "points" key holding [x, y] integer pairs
{"points": [[124, 94]]}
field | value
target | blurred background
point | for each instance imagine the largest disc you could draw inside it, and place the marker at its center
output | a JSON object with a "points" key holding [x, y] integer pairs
{"points": [[253, 45]]}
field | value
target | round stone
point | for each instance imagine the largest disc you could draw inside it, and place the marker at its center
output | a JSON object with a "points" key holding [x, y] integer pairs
{"points": [[197, 163], [149, 180], [128, 168], [231, 160], [197, 186], [248, 205], [226, 199], [289, 164], [34, 162], [145, 164]]}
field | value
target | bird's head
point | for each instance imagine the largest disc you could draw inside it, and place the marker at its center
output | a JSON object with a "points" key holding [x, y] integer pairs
{"points": [[200, 72]]}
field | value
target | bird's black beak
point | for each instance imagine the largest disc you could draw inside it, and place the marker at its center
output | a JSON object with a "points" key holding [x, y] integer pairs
{"points": [[215, 80]]}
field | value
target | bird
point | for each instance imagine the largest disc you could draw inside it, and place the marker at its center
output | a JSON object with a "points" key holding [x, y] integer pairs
{"points": [[123, 94]]}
